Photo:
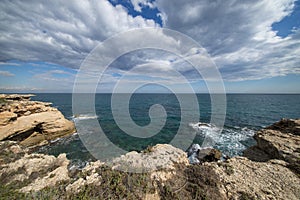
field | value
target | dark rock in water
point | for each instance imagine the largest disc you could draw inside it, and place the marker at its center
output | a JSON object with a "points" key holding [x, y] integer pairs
{"points": [[209, 155], [196, 154]]}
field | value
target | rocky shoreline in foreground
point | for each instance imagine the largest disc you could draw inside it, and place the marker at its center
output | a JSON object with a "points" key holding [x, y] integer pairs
{"points": [[269, 170]]}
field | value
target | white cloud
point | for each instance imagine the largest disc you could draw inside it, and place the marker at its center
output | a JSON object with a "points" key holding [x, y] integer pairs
{"points": [[238, 35], [60, 32], [6, 73], [139, 4]]}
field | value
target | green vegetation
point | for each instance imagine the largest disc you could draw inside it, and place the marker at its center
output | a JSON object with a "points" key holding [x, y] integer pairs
{"points": [[114, 185], [9, 192], [191, 182], [2, 101], [117, 185]]}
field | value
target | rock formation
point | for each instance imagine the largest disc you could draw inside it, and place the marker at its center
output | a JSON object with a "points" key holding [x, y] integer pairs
{"points": [[197, 155], [160, 156], [31, 122], [242, 178], [163, 172], [278, 141], [30, 172]]}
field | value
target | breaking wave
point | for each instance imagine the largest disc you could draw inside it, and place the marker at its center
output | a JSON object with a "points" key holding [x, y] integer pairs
{"points": [[84, 117], [232, 141]]}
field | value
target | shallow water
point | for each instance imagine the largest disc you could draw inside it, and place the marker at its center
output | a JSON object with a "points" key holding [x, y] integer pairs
{"points": [[245, 114]]}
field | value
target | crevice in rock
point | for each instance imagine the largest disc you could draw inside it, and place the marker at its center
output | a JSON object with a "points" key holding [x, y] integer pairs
{"points": [[22, 136]]}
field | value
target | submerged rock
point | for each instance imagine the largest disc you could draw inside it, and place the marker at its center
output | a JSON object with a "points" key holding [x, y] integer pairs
{"points": [[31, 122]]}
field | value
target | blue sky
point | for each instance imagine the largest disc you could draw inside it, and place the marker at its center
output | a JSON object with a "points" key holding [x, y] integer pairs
{"points": [[254, 44]]}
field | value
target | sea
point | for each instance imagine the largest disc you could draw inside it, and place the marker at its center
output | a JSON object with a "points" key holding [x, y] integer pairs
{"points": [[245, 114]]}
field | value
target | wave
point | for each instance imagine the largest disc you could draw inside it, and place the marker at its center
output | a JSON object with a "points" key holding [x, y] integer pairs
{"points": [[84, 117], [232, 141], [200, 126]]}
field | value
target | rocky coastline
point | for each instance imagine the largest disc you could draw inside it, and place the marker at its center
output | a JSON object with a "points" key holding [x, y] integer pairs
{"points": [[31, 123], [269, 170]]}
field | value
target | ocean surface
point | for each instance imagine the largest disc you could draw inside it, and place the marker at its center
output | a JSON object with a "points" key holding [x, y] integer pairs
{"points": [[245, 114]]}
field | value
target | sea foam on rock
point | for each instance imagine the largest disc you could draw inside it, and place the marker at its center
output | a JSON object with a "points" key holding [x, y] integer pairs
{"points": [[197, 155]]}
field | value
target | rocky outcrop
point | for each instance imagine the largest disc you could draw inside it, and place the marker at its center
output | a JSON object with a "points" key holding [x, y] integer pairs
{"points": [[30, 172], [287, 126], [242, 178], [162, 172], [31, 122], [278, 141], [160, 161], [90, 177]]}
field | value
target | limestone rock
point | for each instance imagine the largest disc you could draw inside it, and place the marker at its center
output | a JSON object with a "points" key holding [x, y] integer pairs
{"points": [[32, 172], [287, 126], [7, 117], [278, 141], [159, 157], [91, 178], [30, 122], [76, 187], [246, 179], [53, 177], [16, 96]]}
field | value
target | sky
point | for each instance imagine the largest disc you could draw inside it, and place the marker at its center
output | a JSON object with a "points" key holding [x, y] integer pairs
{"points": [[254, 44]]}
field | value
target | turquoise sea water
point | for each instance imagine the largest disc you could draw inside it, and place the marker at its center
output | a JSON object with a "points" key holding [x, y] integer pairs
{"points": [[245, 114]]}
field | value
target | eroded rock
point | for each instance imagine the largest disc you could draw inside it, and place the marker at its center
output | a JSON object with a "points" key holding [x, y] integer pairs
{"points": [[31, 172], [245, 179], [159, 157], [278, 141], [7, 117], [31, 122]]}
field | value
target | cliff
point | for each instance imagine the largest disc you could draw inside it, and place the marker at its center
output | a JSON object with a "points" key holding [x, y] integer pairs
{"points": [[269, 170], [31, 123]]}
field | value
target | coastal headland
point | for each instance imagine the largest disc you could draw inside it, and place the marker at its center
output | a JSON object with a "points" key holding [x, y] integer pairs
{"points": [[268, 170]]}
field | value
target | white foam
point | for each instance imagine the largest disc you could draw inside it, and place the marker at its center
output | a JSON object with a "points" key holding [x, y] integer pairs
{"points": [[229, 141], [84, 117]]}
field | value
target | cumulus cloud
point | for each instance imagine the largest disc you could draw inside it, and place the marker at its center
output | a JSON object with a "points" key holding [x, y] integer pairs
{"points": [[6, 73], [139, 4], [62, 33], [238, 35]]}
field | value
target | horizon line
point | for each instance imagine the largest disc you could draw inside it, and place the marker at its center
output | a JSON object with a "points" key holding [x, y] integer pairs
{"points": [[279, 93]]}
